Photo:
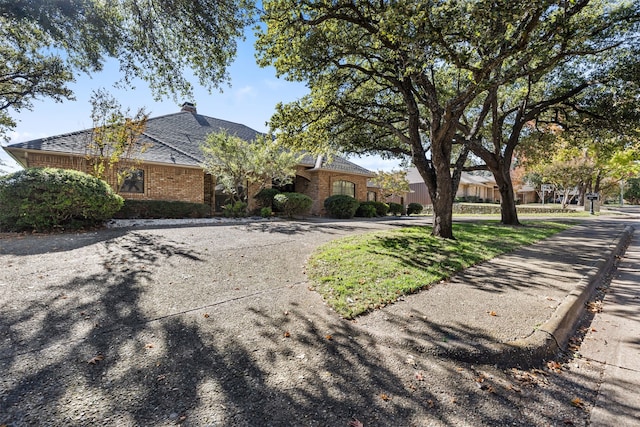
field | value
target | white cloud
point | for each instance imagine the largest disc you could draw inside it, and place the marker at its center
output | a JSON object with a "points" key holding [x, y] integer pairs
{"points": [[244, 93], [274, 84], [376, 163]]}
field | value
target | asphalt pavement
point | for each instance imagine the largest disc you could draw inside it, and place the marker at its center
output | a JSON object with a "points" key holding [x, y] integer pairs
{"points": [[212, 324]]}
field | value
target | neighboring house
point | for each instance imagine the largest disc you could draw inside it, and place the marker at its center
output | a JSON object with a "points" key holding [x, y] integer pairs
{"points": [[472, 187], [170, 167]]}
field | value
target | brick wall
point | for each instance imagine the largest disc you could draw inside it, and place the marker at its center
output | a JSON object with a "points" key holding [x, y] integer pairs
{"points": [[321, 187], [160, 182]]}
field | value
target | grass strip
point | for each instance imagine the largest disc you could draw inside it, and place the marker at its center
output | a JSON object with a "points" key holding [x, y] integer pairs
{"points": [[360, 273]]}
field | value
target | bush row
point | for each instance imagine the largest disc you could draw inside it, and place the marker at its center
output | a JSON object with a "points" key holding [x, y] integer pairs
{"points": [[344, 207], [45, 199]]}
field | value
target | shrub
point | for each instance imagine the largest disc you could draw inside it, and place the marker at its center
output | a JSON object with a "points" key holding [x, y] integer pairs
{"points": [[367, 210], [265, 197], [381, 208], [341, 206], [414, 208], [151, 209], [265, 212], [235, 210], [292, 204], [395, 208], [44, 199]]}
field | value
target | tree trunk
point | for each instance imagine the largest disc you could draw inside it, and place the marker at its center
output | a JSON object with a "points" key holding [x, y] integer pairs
{"points": [[440, 188], [443, 214], [508, 211]]}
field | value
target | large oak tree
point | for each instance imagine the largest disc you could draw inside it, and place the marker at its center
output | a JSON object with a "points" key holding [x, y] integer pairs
{"points": [[414, 79]]}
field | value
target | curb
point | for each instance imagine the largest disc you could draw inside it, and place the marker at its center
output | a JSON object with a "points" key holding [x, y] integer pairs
{"points": [[554, 334]]}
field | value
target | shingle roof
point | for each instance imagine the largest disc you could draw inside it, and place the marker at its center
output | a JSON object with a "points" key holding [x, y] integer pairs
{"points": [[174, 139]]}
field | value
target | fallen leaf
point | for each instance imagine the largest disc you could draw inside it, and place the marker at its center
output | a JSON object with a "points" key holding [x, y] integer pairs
{"points": [[287, 334], [355, 423], [385, 397], [577, 402], [430, 403], [513, 388], [149, 345], [492, 313], [594, 307], [206, 315], [554, 366], [95, 359], [329, 337]]}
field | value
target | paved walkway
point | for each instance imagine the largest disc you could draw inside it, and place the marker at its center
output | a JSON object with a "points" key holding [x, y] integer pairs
{"points": [[614, 341]]}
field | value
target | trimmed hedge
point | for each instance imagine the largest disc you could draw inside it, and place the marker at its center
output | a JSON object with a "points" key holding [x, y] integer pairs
{"points": [[152, 209], [292, 204], [46, 199], [396, 209], [341, 206], [367, 210], [414, 208], [381, 208]]}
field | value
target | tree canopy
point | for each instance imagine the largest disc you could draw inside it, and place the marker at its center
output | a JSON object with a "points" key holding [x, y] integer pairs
{"points": [[237, 164], [43, 43], [416, 79]]}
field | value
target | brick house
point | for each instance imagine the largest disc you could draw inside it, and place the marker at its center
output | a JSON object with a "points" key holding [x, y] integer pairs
{"points": [[170, 167]]}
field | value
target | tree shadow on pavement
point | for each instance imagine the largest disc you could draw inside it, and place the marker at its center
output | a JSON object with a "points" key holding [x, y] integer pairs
{"points": [[34, 244], [88, 353]]}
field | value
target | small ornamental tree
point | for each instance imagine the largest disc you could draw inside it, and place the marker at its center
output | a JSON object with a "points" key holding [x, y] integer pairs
{"points": [[114, 148], [237, 163], [393, 183], [45, 199]]}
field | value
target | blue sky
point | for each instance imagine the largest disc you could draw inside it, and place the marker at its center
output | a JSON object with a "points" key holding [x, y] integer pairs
{"points": [[249, 100]]}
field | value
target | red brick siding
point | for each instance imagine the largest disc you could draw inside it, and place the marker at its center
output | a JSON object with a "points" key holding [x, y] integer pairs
{"points": [[160, 182]]}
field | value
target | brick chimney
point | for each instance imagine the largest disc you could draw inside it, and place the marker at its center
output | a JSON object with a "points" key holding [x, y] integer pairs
{"points": [[189, 107]]}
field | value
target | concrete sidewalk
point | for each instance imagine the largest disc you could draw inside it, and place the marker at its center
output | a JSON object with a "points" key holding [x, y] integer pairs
{"points": [[515, 310], [614, 341]]}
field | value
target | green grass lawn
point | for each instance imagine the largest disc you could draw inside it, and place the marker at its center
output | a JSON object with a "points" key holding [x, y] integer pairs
{"points": [[361, 273]]}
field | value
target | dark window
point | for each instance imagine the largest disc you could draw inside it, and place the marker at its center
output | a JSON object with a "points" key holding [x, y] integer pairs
{"points": [[345, 188], [133, 182]]}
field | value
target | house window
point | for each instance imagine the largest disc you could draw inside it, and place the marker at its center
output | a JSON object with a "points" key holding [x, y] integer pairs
{"points": [[372, 196], [133, 182], [345, 188]]}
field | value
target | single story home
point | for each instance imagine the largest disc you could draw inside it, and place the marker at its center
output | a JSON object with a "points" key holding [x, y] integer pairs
{"points": [[472, 187], [170, 166]]}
